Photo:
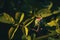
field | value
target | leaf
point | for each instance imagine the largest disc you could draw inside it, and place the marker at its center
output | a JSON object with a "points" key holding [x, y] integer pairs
{"points": [[27, 20], [17, 15], [43, 13], [51, 4], [52, 23], [10, 32], [57, 19], [21, 18], [28, 37], [5, 18], [34, 36], [51, 38], [56, 12], [58, 30], [24, 37], [28, 23], [30, 12], [26, 31]]}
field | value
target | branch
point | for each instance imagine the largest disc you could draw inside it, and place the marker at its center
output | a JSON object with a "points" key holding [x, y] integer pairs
{"points": [[45, 36]]}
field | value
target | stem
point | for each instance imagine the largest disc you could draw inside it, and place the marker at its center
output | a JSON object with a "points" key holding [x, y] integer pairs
{"points": [[51, 34], [35, 29], [14, 31]]}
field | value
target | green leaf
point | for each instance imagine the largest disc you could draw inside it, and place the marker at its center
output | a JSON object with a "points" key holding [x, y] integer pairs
{"points": [[10, 32], [58, 31], [52, 23], [24, 37], [51, 38], [30, 12], [50, 6], [27, 20], [34, 36], [25, 26], [56, 12], [44, 13], [28, 23], [21, 18], [5, 18], [17, 15], [28, 37], [26, 31]]}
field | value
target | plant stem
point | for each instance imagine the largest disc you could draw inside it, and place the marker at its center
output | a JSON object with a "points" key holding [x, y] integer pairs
{"points": [[15, 31], [51, 34]]}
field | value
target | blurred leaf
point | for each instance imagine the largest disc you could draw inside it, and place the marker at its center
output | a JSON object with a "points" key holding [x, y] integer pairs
{"points": [[24, 37], [58, 30], [34, 36], [28, 23], [27, 20], [50, 38], [26, 31], [52, 23], [25, 26], [21, 18], [53, 38], [50, 6], [28, 37], [57, 19], [17, 15], [33, 17], [5, 18], [56, 12], [44, 13], [30, 11], [10, 32]]}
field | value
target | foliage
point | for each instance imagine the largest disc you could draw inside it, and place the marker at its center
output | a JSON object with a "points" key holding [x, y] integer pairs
{"points": [[19, 22], [5, 18]]}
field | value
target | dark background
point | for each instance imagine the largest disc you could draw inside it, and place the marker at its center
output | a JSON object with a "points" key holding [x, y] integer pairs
{"points": [[12, 6]]}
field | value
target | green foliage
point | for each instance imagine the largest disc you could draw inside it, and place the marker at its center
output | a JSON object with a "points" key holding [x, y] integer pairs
{"points": [[5, 18], [24, 37], [52, 38], [19, 22], [11, 30], [45, 12], [21, 18], [58, 30]]}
